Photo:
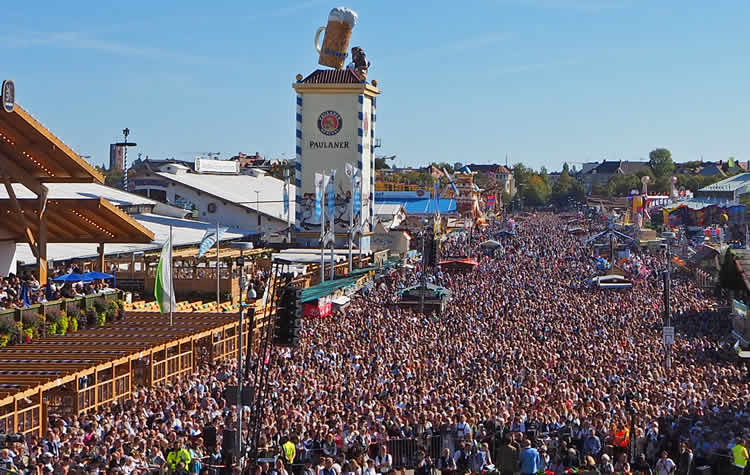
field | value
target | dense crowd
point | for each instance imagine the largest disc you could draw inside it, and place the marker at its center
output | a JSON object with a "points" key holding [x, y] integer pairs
{"points": [[527, 369]]}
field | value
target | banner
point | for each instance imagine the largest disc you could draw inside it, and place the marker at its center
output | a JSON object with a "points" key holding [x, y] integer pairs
{"points": [[318, 195], [164, 286], [286, 198], [332, 194], [357, 196], [323, 307], [209, 240]]}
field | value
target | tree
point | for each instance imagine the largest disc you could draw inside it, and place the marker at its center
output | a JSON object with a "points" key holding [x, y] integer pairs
{"points": [[536, 192], [661, 162], [561, 191], [381, 164], [112, 177], [521, 173]]}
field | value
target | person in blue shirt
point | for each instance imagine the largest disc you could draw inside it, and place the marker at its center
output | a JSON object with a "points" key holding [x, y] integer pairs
{"points": [[592, 445], [529, 459]]}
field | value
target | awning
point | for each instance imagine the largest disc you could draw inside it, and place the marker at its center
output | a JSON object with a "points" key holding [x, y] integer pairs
{"points": [[341, 300]]}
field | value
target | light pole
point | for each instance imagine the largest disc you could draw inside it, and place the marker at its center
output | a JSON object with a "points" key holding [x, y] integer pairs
{"points": [[242, 246], [668, 330], [125, 144], [423, 277], [257, 211]]}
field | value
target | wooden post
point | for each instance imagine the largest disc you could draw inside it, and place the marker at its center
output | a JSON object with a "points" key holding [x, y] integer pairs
{"points": [[100, 259], [41, 260]]}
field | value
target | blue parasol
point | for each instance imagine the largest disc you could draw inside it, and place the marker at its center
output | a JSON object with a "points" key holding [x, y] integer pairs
{"points": [[97, 276], [73, 277]]}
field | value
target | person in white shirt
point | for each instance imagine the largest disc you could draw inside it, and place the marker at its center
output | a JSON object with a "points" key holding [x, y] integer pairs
{"points": [[383, 461], [665, 465]]}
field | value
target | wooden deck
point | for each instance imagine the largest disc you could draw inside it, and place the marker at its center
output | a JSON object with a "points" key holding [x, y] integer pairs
{"points": [[75, 373]]}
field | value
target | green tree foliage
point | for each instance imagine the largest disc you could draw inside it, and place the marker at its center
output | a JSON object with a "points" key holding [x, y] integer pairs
{"points": [[521, 173], [380, 164], [112, 177], [536, 192], [661, 162]]}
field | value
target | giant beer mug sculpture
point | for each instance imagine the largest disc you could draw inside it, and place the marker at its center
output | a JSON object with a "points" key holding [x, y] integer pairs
{"points": [[338, 32]]}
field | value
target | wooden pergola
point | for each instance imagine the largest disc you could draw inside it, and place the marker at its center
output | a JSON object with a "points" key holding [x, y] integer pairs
{"points": [[32, 156], [72, 374]]}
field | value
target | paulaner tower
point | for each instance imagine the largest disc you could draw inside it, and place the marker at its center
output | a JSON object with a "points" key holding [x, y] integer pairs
{"points": [[335, 126]]}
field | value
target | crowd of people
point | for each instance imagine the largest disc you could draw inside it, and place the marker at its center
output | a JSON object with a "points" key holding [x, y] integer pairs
{"points": [[527, 369], [23, 290]]}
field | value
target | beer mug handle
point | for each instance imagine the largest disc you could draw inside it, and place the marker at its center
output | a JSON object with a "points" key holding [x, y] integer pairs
{"points": [[318, 47]]}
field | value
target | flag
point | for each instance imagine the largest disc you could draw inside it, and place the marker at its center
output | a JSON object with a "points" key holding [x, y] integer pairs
{"points": [[349, 170], [318, 195], [731, 162], [164, 287], [286, 200], [332, 193], [209, 240], [357, 196], [450, 181]]}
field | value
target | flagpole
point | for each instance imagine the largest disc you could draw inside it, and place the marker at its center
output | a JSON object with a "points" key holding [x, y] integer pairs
{"points": [[218, 285], [171, 278], [333, 225], [323, 199]]}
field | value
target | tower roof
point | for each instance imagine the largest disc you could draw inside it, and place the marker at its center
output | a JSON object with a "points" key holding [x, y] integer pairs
{"points": [[333, 76]]}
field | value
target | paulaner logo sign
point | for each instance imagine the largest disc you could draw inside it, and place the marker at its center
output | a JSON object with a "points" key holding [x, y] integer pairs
{"points": [[330, 122], [9, 95]]}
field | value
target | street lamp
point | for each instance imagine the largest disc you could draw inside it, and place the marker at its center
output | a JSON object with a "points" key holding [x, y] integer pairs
{"points": [[242, 246], [125, 144], [668, 330], [423, 281]]}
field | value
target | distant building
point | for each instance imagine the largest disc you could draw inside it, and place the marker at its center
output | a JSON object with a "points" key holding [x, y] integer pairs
{"points": [[116, 157], [218, 193], [603, 172], [729, 189]]}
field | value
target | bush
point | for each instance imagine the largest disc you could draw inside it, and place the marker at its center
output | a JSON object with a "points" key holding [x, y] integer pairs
{"points": [[28, 335], [31, 319], [101, 319], [4, 339], [100, 305], [74, 324], [8, 326], [91, 317], [62, 325], [113, 310], [52, 328], [54, 315]]}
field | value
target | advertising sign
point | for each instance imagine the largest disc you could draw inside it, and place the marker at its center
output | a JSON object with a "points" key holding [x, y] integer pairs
{"points": [[320, 308], [9, 95]]}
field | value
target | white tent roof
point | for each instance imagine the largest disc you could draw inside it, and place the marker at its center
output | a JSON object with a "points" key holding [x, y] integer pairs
{"points": [[240, 189], [308, 258], [185, 232], [116, 196]]}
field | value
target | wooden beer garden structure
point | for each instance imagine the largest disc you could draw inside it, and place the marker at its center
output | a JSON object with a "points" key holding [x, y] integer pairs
{"points": [[68, 375]]}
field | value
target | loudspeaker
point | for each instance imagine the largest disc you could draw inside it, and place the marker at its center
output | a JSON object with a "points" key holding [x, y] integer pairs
{"points": [[209, 436], [229, 441]]}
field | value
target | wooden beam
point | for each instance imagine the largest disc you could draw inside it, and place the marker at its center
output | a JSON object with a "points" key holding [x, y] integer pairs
{"points": [[41, 258], [28, 235], [100, 260], [10, 169]]}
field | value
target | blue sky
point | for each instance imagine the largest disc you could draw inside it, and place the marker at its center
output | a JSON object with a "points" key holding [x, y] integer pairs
{"points": [[543, 81]]}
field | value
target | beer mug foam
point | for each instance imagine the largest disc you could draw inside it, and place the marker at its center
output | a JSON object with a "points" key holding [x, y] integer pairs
{"points": [[338, 32]]}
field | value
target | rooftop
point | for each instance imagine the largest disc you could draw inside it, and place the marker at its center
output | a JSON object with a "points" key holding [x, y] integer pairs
{"points": [[185, 232], [733, 183], [333, 76], [240, 190]]}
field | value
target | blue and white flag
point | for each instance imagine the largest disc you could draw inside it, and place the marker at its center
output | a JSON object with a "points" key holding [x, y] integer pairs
{"points": [[319, 181], [357, 196], [332, 194], [286, 199], [209, 240]]}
